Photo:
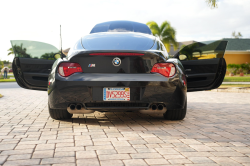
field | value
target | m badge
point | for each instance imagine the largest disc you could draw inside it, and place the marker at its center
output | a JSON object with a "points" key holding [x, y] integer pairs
{"points": [[91, 65]]}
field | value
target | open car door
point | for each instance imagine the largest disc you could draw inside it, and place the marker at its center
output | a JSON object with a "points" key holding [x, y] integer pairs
{"points": [[32, 63], [204, 64]]}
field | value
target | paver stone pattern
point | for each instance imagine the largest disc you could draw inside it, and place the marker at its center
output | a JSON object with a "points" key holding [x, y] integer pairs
{"points": [[216, 131]]}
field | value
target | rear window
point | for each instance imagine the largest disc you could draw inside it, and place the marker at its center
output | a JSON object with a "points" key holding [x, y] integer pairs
{"points": [[118, 41], [121, 26]]}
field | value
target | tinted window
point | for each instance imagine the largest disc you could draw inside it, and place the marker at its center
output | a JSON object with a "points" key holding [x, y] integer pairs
{"points": [[121, 26], [118, 41], [33, 49], [142, 28], [100, 28], [202, 50]]}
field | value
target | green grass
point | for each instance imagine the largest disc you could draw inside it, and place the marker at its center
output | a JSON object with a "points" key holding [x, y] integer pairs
{"points": [[9, 75], [237, 79], [7, 80], [233, 85]]}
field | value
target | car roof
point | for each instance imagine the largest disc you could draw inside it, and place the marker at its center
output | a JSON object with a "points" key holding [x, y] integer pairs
{"points": [[121, 26]]}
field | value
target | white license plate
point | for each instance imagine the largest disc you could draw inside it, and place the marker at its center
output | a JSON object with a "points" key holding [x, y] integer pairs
{"points": [[116, 94]]}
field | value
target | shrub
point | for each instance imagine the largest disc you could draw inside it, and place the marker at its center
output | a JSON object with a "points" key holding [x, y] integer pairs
{"points": [[238, 70], [245, 67], [232, 68]]}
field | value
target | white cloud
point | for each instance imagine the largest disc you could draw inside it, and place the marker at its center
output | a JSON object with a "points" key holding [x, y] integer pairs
{"points": [[192, 19]]}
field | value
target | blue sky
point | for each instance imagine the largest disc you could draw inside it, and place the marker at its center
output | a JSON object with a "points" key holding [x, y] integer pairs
{"points": [[192, 19]]}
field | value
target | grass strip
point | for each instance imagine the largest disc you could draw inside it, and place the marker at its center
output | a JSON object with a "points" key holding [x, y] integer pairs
{"points": [[7, 80], [237, 79]]}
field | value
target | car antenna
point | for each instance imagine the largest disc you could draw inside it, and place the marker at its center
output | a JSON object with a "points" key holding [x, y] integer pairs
{"points": [[61, 42], [62, 55]]}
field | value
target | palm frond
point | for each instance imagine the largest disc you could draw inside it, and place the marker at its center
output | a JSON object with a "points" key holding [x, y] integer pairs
{"points": [[153, 26], [10, 51], [212, 3], [165, 32], [168, 32], [164, 25]]}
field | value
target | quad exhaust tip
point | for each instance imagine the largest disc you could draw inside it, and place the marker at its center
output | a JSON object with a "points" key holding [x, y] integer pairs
{"points": [[160, 107], [78, 106], [78, 109], [72, 106], [153, 106], [156, 108]]}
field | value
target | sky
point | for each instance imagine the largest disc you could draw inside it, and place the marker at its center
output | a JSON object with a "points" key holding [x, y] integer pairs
{"points": [[192, 19]]}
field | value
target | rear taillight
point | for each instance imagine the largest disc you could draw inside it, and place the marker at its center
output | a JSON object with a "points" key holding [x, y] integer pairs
{"points": [[66, 69], [117, 54], [165, 69]]}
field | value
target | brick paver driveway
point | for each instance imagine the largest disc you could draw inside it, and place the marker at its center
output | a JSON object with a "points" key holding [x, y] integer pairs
{"points": [[216, 131]]}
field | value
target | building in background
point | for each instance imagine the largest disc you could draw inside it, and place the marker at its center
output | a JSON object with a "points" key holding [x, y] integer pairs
{"points": [[238, 51]]}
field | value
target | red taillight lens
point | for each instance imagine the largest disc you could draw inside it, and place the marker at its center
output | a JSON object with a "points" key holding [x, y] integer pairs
{"points": [[66, 69], [117, 54], [165, 69], [184, 79]]}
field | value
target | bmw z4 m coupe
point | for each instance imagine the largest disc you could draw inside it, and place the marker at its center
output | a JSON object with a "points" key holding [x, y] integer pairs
{"points": [[119, 66]]}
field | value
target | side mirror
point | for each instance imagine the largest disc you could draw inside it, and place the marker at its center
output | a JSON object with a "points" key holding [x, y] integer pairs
{"points": [[182, 57]]}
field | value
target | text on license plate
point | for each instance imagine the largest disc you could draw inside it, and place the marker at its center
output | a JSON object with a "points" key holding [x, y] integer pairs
{"points": [[116, 94]]}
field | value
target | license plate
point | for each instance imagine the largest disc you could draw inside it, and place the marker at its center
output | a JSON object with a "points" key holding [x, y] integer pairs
{"points": [[116, 94]]}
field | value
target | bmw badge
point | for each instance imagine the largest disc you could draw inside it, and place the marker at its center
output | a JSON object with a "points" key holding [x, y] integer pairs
{"points": [[116, 61]]}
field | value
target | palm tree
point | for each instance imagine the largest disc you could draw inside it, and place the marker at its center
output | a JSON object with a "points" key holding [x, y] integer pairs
{"points": [[212, 3], [165, 32], [19, 50], [10, 51], [235, 35]]}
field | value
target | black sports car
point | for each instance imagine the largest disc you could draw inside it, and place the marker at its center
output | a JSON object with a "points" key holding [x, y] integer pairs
{"points": [[119, 66]]}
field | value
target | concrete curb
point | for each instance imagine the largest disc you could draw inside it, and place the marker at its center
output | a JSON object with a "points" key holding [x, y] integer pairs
{"points": [[233, 90], [239, 83]]}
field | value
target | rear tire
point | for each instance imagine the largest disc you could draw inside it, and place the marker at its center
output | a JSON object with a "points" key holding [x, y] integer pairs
{"points": [[59, 114], [176, 114]]}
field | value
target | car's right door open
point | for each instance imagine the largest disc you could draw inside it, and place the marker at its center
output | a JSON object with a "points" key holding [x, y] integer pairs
{"points": [[204, 64]]}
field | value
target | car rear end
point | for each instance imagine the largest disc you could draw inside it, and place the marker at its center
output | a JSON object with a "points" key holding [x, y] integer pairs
{"points": [[117, 72]]}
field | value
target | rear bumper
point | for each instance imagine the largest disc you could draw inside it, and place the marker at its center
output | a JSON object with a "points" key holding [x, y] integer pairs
{"points": [[145, 89]]}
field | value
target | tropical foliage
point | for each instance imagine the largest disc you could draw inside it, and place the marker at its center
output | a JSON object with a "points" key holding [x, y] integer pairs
{"points": [[165, 32], [48, 56], [212, 3], [10, 51], [236, 35], [1, 64], [237, 68], [19, 51]]}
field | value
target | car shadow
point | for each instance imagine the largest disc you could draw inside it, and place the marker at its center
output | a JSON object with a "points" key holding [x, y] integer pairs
{"points": [[118, 119]]}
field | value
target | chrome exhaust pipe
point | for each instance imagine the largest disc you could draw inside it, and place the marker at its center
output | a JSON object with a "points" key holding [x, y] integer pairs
{"points": [[78, 109], [72, 106], [160, 107], [154, 109], [78, 106], [153, 106]]}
